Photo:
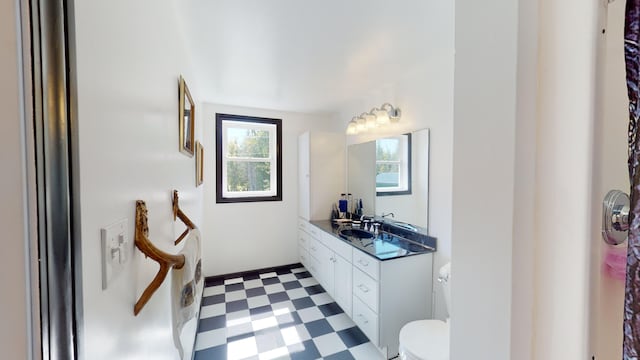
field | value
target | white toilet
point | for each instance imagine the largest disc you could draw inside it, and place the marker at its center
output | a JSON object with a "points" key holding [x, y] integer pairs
{"points": [[428, 339]]}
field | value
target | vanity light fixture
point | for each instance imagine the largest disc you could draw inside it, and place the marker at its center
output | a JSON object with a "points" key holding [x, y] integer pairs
{"points": [[361, 124], [352, 128], [370, 120], [385, 114], [393, 113], [381, 116]]}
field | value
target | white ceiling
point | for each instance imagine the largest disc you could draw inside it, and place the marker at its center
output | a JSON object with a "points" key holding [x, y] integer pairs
{"points": [[310, 56]]}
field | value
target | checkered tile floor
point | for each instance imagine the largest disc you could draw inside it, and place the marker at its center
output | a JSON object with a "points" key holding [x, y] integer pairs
{"points": [[284, 314]]}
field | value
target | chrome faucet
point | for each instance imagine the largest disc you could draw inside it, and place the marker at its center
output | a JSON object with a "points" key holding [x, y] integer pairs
{"points": [[385, 215]]}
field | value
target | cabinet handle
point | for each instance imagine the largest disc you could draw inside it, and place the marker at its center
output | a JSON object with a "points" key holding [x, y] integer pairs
{"points": [[332, 259], [363, 263], [314, 248], [364, 319], [302, 257], [363, 288]]}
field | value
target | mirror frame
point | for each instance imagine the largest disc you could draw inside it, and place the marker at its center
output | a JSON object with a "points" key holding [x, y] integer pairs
{"points": [[187, 133]]}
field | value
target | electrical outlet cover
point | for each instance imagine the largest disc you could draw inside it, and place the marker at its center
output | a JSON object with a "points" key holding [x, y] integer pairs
{"points": [[115, 248]]}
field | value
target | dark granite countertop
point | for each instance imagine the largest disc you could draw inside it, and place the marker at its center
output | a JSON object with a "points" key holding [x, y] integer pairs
{"points": [[389, 243]]}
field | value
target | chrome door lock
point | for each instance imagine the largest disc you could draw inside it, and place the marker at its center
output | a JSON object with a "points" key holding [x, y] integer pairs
{"points": [[615, 217]]}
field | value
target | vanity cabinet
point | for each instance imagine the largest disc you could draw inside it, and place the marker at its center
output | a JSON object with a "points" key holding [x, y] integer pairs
{"points": [[307, 248], [321, 173], [329, 265], [380, 296], [303, 246], [337, 270], [388, 294]]}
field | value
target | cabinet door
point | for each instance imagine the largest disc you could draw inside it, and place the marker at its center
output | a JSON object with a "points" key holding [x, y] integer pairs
{"points": [[342, 283], [304, 185], [326, 271]]}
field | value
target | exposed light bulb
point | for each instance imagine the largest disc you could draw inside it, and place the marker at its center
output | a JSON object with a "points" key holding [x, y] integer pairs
{"points": [[382, 117], [351, 128]]}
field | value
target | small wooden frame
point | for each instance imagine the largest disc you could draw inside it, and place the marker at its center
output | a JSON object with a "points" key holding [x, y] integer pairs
{"points": [[187, 119], [199, 164], [177, 213], [166, 261]]}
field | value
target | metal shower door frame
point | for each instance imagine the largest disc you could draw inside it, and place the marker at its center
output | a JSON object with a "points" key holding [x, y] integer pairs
{"points": [[54, 110]]}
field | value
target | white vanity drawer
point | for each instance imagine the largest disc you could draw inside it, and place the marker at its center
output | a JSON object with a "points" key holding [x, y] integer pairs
{"points": [[304, 257], [366, 263], [366, 289], [314, 248], [314, 267], [338, 246], [313, 231], [302, 225], [366, 320], [303, 240]]}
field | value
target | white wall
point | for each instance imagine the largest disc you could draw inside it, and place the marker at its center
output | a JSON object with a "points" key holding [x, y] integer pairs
{"points": [[14, 311], [524, 188], [426, 100], [129, 57], [609, 172], [563, 238], [247, 236], [483, 178]]}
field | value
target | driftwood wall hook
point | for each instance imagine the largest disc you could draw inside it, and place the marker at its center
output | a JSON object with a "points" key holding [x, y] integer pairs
{"points": [[177, 213], [166, 261]]}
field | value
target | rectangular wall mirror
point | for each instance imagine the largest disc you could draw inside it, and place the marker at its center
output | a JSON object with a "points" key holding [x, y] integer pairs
{"points": [[391, 175]]}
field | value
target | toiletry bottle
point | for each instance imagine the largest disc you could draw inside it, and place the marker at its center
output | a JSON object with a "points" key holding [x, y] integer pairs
{"points": [[342, 205]]}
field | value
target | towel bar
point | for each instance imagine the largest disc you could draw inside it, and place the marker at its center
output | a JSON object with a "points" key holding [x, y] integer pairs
{"points": [[179, 214], [166, 261]]}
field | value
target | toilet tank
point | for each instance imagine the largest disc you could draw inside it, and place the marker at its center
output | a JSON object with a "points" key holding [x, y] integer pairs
{"points": [[444, 279]]}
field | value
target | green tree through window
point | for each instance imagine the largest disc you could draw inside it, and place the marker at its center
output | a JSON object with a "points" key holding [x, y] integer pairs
{"points": [[245, 175]]}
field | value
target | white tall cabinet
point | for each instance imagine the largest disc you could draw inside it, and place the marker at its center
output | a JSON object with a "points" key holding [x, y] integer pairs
{"points": [[321, 176]]}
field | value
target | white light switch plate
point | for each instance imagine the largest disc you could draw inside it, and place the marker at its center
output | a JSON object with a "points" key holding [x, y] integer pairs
{"points": [[115, 250]]}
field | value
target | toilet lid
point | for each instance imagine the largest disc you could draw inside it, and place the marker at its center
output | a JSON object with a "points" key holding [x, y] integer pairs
{"points": [[426, 339]]}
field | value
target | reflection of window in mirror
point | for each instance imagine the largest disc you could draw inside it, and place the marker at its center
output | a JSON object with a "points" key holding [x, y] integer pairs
{"points": [[393, 165]]}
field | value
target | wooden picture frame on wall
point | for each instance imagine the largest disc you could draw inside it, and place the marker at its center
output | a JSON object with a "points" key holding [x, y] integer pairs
{"points": [[187, 119], [199, 164]]}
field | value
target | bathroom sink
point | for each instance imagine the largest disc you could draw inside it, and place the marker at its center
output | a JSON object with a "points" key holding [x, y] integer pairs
{"points": [[357, 233]]}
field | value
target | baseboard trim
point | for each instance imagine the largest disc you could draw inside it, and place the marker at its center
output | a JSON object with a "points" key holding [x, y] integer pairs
{"points": [[219, 279]]}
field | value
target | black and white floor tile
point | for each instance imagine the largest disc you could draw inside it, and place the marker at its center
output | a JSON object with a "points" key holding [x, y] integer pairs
{"points": [[281, 314]]}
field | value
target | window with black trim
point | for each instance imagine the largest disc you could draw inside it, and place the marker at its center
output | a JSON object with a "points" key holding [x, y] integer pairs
{"points": [[393, 165], [248, 159]]}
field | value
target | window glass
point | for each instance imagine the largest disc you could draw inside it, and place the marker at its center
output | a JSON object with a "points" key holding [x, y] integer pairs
{"points": [[393, 165]]}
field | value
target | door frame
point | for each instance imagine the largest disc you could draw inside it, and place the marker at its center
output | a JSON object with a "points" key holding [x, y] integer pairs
{"points": [[51, 77]]}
